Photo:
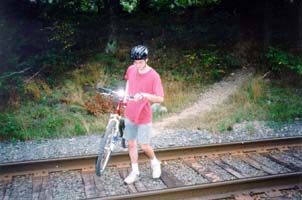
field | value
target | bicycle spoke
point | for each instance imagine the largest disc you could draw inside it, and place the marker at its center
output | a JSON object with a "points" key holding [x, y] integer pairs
{"points": [[106, 148]]}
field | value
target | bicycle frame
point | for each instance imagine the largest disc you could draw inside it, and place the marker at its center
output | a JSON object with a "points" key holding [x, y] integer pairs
{"points": [[110, 138], [116, 117]]}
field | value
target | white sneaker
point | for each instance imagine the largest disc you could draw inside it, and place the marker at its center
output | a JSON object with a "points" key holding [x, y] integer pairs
{"points": [[131, 178], [156, 170]]}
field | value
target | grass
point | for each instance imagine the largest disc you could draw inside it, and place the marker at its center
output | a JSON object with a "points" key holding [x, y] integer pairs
{"points": [[40, 121], [60, 110], [56, 112], [179, 94], [255, 100]]}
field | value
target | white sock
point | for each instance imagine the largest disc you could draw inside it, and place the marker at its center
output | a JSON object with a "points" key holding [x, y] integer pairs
{"points": [[154, 161], [135, 168]]}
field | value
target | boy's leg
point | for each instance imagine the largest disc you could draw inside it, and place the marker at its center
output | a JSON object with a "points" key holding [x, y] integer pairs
{"points": [[130, 134], [148, 150], [155, 164], [132, 150], [133, 154], [144, 138]]}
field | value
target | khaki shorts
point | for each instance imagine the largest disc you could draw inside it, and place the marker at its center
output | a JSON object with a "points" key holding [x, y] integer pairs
{"points": [[142, 133]]}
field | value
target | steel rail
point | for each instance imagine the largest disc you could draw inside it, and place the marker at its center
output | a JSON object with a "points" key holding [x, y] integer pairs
{"points": [[87, 163], [213, 189]]}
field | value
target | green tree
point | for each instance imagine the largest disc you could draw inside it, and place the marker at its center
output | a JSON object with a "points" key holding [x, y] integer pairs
{"points": [[113, 7]]}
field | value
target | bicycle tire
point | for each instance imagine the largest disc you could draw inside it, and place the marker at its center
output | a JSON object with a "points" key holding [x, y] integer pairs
{"points": [[105, 151], [121, 129]]}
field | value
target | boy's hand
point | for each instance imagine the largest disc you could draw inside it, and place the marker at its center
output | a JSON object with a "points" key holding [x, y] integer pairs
{"points": [[138, 97]]}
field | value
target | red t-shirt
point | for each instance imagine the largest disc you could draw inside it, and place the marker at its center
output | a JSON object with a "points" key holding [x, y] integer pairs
{"points": [[140, 112]]}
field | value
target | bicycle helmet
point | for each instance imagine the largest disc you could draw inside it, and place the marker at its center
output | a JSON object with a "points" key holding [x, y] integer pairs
{"points": [[139, 52]]}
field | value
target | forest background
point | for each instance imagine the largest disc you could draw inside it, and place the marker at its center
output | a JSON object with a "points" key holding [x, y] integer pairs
{"points": [[53, 52]]}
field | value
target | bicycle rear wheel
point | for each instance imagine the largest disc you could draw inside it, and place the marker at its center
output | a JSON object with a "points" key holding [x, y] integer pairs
{"points": [[105, 149], [121, 129]]}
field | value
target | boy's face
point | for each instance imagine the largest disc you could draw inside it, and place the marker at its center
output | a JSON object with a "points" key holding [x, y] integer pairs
{"points": [[140, 64]]}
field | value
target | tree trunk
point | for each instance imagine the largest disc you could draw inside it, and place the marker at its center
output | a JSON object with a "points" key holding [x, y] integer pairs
{"points": [[299, 40], [267, 33], [113, 8], [106, 5], [143, 5]]}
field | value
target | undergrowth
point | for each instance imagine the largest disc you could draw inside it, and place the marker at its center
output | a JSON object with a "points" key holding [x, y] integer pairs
{"points": [[258, 99], [71, 106]]}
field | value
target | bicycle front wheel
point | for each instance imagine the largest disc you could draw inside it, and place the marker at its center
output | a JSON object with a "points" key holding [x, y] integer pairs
{"points": [[105, 148]]}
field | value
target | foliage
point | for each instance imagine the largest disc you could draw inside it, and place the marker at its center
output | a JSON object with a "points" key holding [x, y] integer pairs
{"points": [[75, 5], [280, 107], [177, 95], [42, 121], [268, 101], [111, 64], [186, 3], [37, 89], [10, 56], [54, 56], [72, 106], [202, 66], [129, 6], [211, 63], [111, 47], [166, 4], [279, 60], [98, 105], [62, 34], [10, 126], [31, 51], [258, 100]]}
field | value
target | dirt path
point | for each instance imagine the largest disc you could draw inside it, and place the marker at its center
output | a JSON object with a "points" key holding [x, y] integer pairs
{"points": [[213, 96]]}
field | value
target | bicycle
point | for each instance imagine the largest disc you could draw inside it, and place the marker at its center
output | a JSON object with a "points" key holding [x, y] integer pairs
{"points": [[114, 130]]}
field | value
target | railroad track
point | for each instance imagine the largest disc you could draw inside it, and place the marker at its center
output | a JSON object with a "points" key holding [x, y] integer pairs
{"points": [[220, 171]]}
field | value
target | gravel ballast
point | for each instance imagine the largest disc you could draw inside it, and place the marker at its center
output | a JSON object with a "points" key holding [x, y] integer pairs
{"points": [[89, 145]]}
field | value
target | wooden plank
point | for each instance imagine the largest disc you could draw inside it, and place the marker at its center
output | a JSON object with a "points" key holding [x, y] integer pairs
{"points": [[297, 162], [274, 193], [124, 173], [203, 171], [2, 191], [3, 185], [279, 160], [243, 197], [89, 185], [37, 186], [44, 192], [229, 169], [257, 165], [296, 156], [100, 191], [169, 179], [139, 185], [7, 192]]}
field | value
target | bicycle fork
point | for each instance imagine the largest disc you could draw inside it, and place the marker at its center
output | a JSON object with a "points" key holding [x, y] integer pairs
{"points": [[114, 137]]}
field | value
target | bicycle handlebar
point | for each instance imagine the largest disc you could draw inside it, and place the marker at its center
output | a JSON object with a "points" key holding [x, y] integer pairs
{"points": [[110, 92]]}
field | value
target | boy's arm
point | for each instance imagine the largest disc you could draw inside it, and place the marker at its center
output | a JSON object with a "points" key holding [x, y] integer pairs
{"points": [[153, 98], [126, 92], [158, 95]]}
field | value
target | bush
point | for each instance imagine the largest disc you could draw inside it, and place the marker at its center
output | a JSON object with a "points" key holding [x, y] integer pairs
{"points": [[284, 104], [40, 121], [280, 60], [9, 126]]}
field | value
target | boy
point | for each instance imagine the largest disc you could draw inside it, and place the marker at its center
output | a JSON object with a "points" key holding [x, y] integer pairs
{"points": [[144, 83]]}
